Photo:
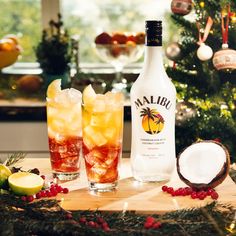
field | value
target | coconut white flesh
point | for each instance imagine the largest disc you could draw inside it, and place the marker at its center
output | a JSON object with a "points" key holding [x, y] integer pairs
{"points": [[201, 162]]}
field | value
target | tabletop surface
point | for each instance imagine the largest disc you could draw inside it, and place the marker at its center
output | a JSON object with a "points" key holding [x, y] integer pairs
{"points": [[130, 195]]}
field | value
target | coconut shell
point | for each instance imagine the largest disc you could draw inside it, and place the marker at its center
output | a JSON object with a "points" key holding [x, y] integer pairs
{"points": [[220, 177]]}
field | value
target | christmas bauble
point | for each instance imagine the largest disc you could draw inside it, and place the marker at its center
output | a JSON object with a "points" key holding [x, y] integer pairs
{"points": [[173, 51], [204, 52], [181, 7], [225, 59], [184, 111]]}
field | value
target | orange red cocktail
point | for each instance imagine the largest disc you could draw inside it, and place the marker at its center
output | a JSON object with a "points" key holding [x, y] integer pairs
{"points": [[64, 130], [102, 126]]}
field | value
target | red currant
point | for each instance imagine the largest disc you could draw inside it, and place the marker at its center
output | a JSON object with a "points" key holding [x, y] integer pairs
{"points": [[59, 189], [43, 177], [23, 198], [194, 195], [91, 224], [148, 225], [150, 219], [53, 193], [100, 220], [104, 225], [164, 188], [65, 190], [170, 190], [43, 193], [82, 220], [106, 229], [156, 225], [214, 195], [210, 191], [188, 190], [38, 195], [30, 198], [48, 194], [69, 216]]}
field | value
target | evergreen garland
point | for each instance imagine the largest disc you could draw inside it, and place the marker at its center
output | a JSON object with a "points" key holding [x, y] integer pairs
{"points": [[46, 217]]}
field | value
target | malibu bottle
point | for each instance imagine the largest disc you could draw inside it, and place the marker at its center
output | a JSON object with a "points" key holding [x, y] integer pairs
{"points": [[153, 98]]}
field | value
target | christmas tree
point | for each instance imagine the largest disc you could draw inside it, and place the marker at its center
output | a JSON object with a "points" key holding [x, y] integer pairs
{"points": [[206, 85]]}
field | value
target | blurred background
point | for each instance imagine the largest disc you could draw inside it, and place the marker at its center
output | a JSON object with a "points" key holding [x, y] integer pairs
{"points": [[42, 40]]}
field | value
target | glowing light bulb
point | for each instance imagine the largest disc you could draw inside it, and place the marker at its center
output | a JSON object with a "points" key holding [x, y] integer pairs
{"points": [[202, 4]]}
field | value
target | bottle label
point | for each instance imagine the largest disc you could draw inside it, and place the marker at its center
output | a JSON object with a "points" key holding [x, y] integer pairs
{"points": [[153, 114], [152, 119]]}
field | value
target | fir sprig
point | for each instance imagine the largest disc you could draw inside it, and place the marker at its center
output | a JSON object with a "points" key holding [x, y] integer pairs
{"points": [[15, 158]]}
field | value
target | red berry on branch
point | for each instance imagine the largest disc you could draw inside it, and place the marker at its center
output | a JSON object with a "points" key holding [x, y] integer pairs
{"points": [[92, 224], [23, 198], [148, 225], [106, 229], [82, 220], [150, 219], [100, 220], [156, 225], [69, 216]]}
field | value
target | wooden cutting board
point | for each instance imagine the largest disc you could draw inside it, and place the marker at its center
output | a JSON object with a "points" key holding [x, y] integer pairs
{"points": [[130, 195]]}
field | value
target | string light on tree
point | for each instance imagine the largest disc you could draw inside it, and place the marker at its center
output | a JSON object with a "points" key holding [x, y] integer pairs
{"points": [[202, 4], [181, 7]]}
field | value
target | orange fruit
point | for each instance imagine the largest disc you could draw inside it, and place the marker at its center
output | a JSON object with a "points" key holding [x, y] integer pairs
{"points": [[103, 38], [7, 45], [120, 38], [12, 37]]}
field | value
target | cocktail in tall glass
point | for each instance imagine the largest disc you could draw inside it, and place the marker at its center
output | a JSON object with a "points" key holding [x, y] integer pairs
{"points": [[64, 130], [102, 137]]}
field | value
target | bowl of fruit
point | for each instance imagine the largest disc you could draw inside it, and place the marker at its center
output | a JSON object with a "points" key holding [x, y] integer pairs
{"points": [[9, 50], [120, 48]]}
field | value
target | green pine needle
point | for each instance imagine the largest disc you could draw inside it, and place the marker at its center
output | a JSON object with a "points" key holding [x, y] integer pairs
{"points": [[15, 158]]}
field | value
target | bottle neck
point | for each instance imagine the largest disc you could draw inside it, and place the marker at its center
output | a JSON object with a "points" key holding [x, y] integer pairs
{"points": [[153, 58]]}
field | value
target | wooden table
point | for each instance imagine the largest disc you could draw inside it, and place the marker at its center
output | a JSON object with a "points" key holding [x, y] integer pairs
{"points": [[130, 195]]}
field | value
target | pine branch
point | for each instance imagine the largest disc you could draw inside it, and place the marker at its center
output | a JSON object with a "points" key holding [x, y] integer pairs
{"points": [[15, 158], [47, 217]]}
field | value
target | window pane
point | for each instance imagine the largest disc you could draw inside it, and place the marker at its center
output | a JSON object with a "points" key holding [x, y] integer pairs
{"points": [[91, 17], [22, 18]]}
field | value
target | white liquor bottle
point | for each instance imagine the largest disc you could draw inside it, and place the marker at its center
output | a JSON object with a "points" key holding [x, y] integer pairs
{"points": [[153, 99]]}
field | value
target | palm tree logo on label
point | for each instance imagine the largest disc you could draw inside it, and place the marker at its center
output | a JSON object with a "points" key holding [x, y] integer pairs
{"points": [[152, 121]]}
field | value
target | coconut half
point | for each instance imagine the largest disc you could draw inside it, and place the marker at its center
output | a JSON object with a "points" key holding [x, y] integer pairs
{"points": [[203, 164]]}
